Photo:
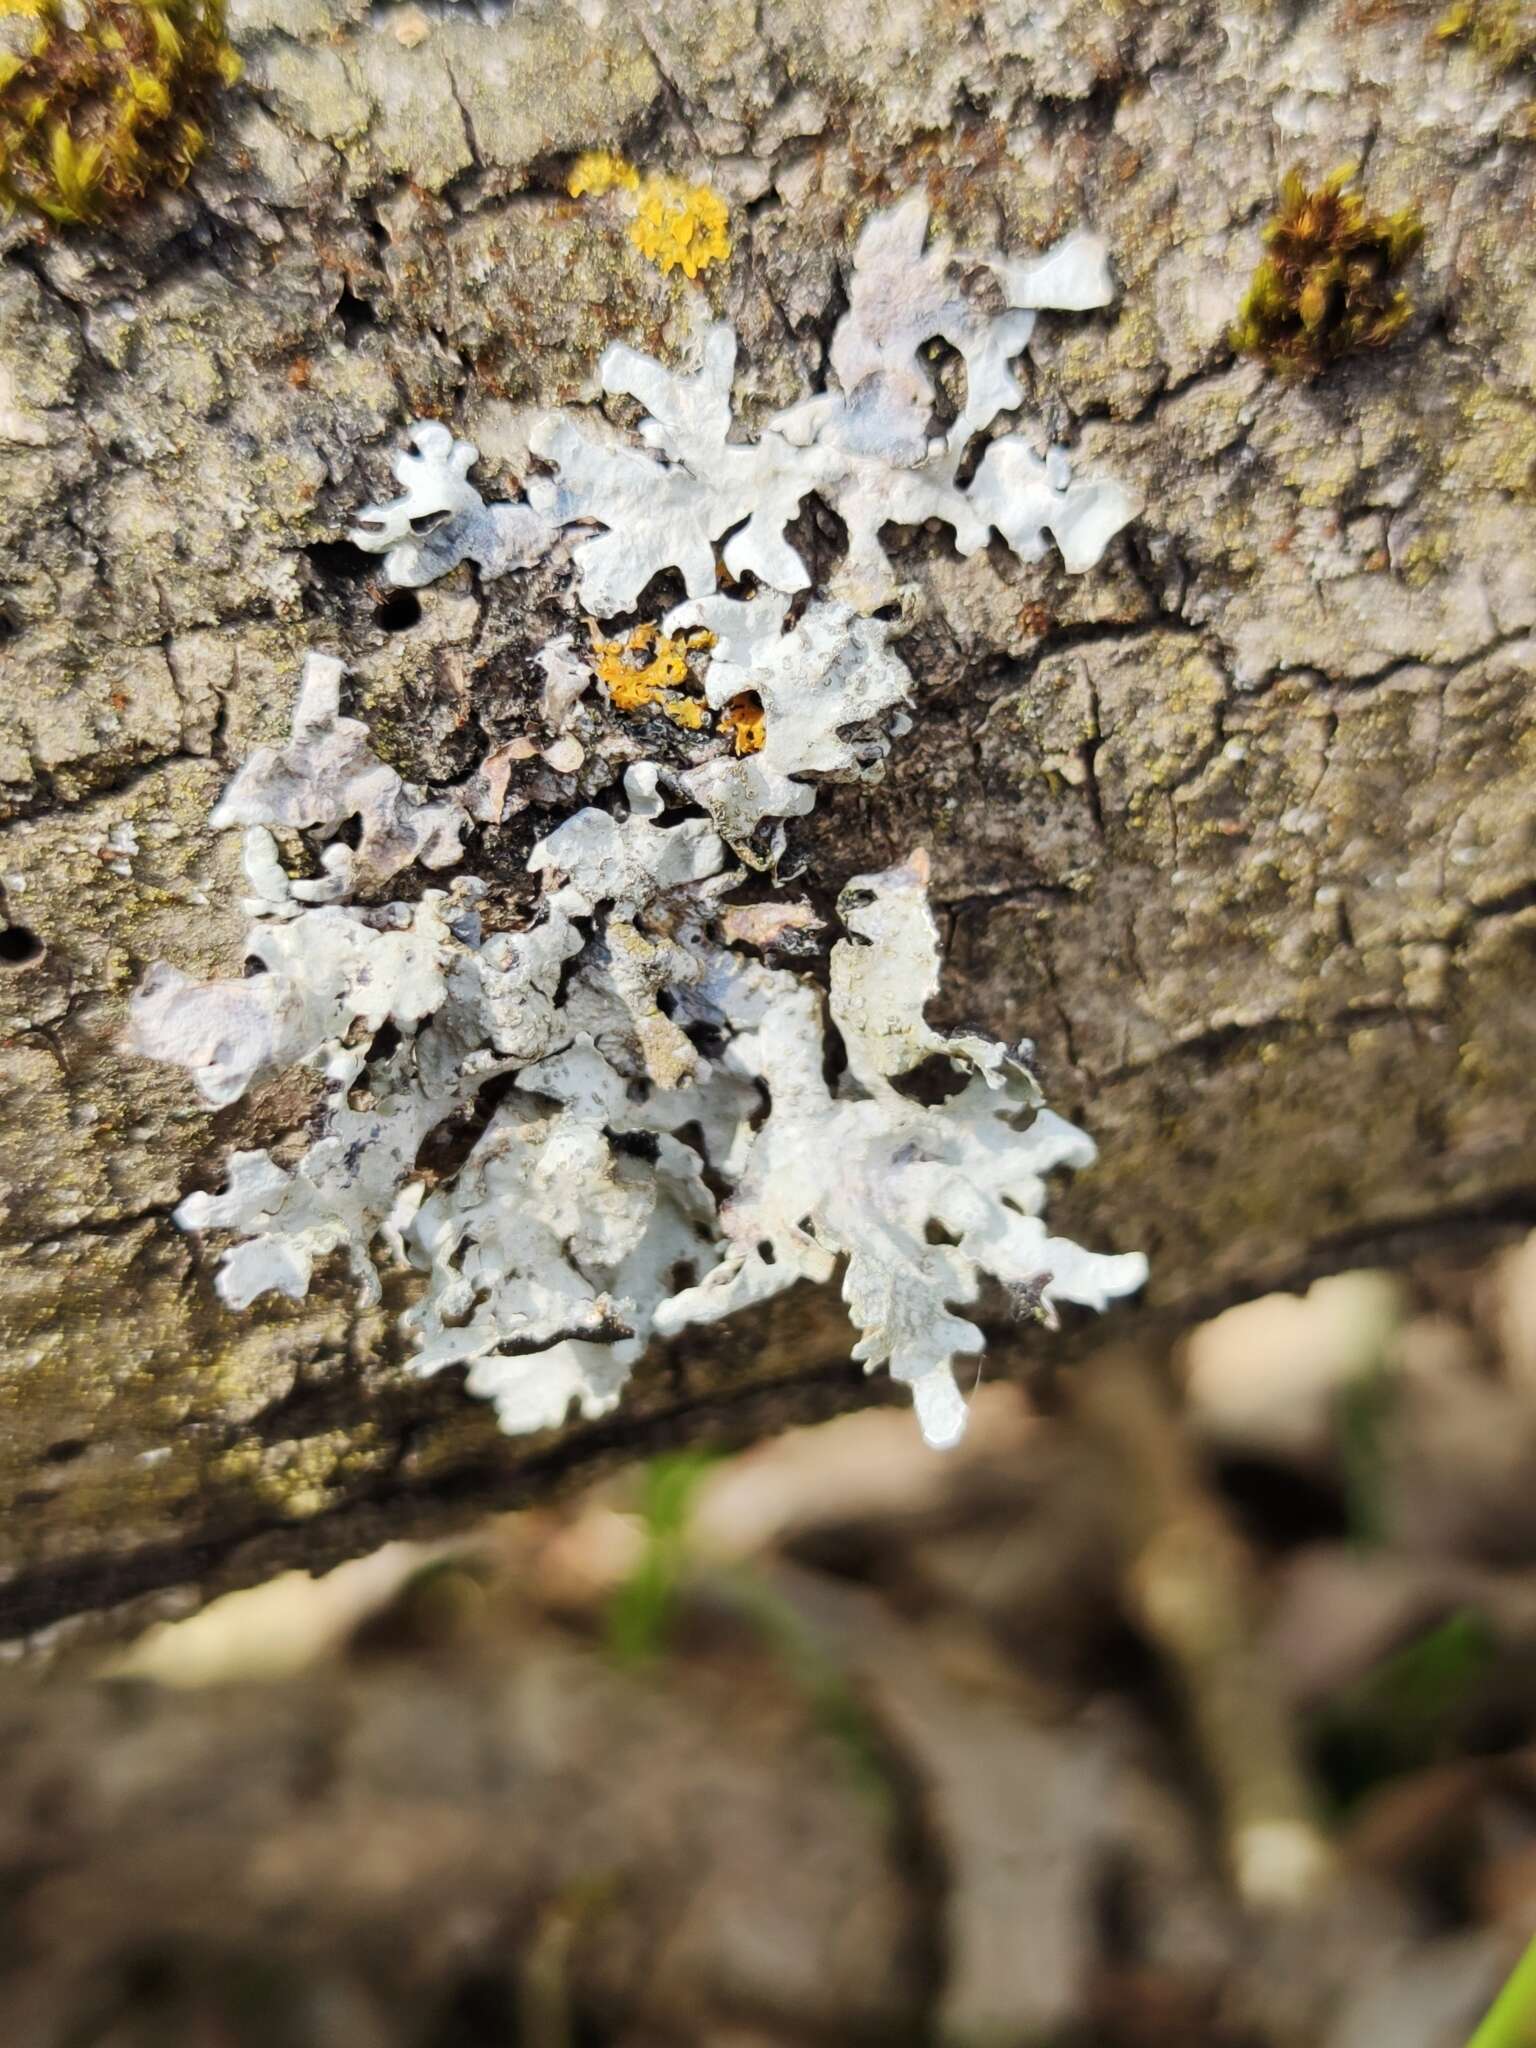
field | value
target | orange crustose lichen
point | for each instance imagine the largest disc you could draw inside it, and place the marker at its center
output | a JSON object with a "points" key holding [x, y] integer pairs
{"points": [[681, 226], [744, 719], [597, 171], [648, 671]]}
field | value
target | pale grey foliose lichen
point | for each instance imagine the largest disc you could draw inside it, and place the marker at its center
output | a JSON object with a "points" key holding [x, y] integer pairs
{"points": [[829, 671], [585, 1216], [441, 520], [665, 1145], [866, 445]]}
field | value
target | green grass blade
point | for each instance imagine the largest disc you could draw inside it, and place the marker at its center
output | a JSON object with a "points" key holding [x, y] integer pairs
{"points": [[1511, 2021]]}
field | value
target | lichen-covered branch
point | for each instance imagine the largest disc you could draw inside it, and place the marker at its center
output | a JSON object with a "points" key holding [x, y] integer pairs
{"points": [[1237, 825]]}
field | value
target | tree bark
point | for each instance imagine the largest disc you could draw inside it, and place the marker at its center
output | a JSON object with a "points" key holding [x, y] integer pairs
{"points": [[1237, 827]]}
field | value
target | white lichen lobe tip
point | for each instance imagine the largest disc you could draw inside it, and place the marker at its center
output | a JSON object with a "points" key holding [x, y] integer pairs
{"points": [[441, 520], [941, 1412], [325, 778], [1074, 277], [831, 671]]}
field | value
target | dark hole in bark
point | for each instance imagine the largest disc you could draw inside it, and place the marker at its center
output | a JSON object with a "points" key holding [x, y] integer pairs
{"points": [[706, 1038], [398, 612], [636, 1144], [834, 1056], [340, 561], [1280, 1505], [20, 947], [355, 314], [385, 1042], [819, 536], [444, 1150], [946, 367]]}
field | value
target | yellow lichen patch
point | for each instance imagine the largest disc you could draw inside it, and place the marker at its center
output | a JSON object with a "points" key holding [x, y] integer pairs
{"points": [[648, 671], [687, 712], [106, 101], [681, 226], [676, 226], [744, 719], [597, 171]]}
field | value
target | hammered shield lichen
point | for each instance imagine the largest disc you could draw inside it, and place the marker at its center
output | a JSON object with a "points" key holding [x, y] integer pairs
{"points": [[666, 1143]]}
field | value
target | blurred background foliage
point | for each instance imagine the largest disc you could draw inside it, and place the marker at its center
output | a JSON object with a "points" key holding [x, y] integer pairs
{"points": [[1193, 1705]]}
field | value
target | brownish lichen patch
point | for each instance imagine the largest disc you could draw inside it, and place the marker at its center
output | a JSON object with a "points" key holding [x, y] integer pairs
{"points": [[98, 103], [1328, 283]]}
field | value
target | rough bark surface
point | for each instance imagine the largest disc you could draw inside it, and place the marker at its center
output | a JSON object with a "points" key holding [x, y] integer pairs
{"points": [[1238, 827]]}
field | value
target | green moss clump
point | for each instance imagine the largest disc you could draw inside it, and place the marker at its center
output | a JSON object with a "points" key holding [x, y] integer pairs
{"points": [[102, 99], [1327, 285], [1503, 31]]}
